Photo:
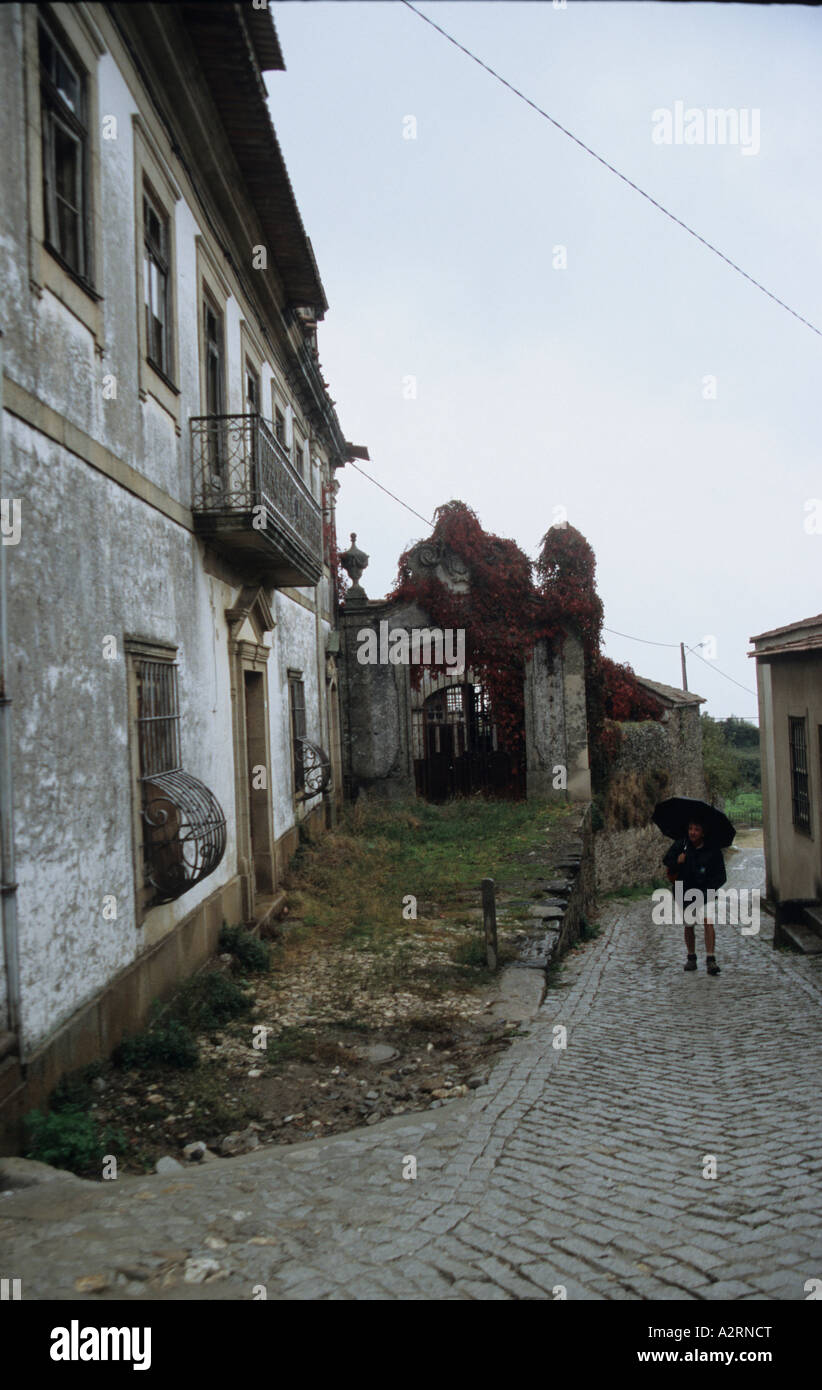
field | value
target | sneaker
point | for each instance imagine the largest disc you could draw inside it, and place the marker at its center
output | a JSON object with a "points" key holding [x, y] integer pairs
{"points": [[690, 963], [711, 966]]}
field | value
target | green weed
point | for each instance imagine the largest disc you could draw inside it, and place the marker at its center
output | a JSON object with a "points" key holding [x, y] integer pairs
{"points": [[70, 1138]]}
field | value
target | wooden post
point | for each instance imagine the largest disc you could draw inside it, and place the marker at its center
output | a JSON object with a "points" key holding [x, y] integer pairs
{"points": [[489, 918]]}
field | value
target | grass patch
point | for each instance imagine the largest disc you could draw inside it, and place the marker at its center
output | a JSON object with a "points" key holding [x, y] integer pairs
{"points": [[169, 1045], [745, 808], [70, 1138], [209, 1001], [351, 886], [471, 952], [249, 952], [211, 1108], [202, 1005]]}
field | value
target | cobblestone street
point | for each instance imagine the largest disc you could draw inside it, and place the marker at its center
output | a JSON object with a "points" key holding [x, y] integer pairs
{"points": [[580, 1167]]}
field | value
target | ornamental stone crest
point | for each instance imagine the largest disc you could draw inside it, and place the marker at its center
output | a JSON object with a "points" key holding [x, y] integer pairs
{"points": [[432, 559]]}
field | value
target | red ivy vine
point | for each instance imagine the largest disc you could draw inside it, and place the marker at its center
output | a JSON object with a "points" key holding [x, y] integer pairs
{"points": [[497, 613], [509, 606]]}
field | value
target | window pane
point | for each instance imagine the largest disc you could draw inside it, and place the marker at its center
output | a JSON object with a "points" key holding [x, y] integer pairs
{"points": [[67, 165], [67, 84], [158, 293], [68, 234]]}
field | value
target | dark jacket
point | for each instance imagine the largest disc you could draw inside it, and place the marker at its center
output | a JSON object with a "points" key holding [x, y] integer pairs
{"points": [[703, 868]]}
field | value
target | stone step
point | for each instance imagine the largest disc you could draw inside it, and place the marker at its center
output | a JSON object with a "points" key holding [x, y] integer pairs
{"points": [[813, 919], [802, 938]]}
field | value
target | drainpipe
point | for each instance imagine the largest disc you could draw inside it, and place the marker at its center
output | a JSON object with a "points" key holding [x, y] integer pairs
{"points": [[8, 887]]}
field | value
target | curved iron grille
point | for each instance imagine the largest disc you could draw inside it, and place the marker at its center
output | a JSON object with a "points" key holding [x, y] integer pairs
{"points": [[185, 833], [316, 767]]}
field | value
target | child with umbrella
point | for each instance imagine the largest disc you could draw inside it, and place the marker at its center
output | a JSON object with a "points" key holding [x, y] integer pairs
{"points": [[699, 832]]}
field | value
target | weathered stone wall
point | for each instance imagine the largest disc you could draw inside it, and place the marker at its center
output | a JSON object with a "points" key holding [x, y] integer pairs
{"points": [[626, 857], [657, 759], [376, 707], [674, 743]]}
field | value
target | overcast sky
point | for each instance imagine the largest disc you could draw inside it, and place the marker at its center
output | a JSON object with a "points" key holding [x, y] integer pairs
{"points": [[584, 387]]}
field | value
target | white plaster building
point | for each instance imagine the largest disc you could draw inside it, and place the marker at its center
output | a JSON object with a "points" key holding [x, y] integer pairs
{"points": [[169, 438], [789, 686]]}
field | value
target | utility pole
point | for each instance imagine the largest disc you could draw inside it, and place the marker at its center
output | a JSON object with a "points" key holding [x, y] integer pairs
{"points": [[684, 672]]}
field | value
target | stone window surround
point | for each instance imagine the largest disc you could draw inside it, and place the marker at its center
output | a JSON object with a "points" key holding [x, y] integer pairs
{"points": [[46, 272], [151, 172]]}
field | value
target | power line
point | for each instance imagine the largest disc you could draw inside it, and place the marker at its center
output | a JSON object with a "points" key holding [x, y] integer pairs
{"points": [[629, 636], [646, 640], [746, 688], [351, 464], [649, 643], [613, 170]]}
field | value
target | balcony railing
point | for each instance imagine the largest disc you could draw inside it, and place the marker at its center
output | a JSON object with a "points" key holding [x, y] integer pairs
{"points": [[250, 502]]}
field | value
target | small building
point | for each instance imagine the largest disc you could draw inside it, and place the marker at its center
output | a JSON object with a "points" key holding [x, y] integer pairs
{"points": [[789, 690], [680, 718]]}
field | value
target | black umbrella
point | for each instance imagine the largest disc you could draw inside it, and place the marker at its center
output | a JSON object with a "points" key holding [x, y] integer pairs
{"points": [[675, 815]]}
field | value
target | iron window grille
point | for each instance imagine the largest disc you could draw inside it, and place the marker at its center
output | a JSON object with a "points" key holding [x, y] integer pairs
{"points": [[184, 828], [65, 139], [800, 800], [156, 284]]}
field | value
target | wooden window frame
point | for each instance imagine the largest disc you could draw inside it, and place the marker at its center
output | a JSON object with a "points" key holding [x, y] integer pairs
{"points": [[152, 179], [209, 306], [297, 716], [157, 256], [139, 650], [251, 372], [56, 112], [74, 31], [298, 450]]}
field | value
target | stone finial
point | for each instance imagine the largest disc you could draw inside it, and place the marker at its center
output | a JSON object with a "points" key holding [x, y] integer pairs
{"points": [[354, 561]]}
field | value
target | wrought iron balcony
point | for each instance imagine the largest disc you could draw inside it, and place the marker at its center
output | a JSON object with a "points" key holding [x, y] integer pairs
{"points": [[250, 503]]}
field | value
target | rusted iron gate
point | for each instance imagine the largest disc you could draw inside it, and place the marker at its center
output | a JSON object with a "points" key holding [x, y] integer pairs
{"points": [[456, 751]]}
